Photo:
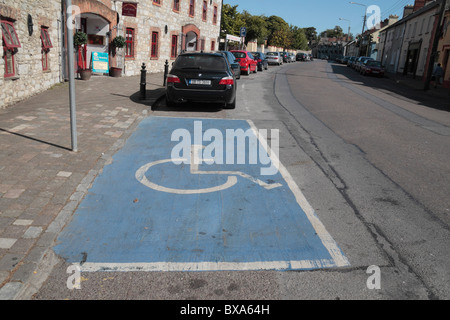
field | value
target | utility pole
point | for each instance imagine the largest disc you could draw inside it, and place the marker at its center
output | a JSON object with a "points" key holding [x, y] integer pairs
{"points": [[435, 46]]}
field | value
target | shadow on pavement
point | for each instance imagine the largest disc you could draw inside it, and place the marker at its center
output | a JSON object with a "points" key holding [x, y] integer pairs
{"points": [[434, 98], [155, 99]]}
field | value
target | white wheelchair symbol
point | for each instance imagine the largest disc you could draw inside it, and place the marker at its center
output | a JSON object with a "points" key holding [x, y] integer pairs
{"points": [[194, 169]]}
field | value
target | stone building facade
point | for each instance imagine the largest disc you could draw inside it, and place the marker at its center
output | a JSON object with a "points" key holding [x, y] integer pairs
{"points": [[34, 44], [30, 65]]}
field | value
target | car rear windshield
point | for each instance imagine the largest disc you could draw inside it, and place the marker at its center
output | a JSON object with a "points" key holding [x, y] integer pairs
{"points": [[374, 63], [255, 54], [201, 62], [271, 54], [239, 54]]}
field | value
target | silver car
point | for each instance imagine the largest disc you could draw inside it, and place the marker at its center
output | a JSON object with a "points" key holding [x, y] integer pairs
{"points": [[291, 57], [274, 58]]}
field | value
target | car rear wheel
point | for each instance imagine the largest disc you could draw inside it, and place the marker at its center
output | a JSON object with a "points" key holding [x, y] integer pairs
{"points": [[231, 105]]}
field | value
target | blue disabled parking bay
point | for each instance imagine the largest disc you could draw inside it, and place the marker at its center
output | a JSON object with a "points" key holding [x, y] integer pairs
{"points": [[193, 195]]}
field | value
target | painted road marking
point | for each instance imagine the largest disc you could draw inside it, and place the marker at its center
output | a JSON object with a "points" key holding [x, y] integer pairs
{"points": [[236, 224], [194, 163]]}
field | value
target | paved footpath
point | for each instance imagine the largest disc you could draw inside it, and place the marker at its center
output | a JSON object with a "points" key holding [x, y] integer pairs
{"points": [[41, 180]]}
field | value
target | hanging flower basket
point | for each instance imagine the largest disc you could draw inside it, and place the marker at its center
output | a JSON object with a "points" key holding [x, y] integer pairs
{"points": [[119, 42]]}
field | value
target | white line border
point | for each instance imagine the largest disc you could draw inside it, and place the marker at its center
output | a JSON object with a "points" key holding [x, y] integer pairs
{"points": [[338, 258]]}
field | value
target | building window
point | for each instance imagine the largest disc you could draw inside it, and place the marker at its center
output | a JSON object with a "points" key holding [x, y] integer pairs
{"points": [[174, 47], [191, 8], [157, 2], [10, 44], [215, 15], [154, 47], [205, 10], [46, 45], [176, 5], [213, 45], [129, 40]]}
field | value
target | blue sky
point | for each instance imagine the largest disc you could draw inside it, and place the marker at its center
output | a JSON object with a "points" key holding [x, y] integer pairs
{"points": [[321, 14]]}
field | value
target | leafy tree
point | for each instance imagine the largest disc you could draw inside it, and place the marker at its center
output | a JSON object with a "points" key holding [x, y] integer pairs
{"points": [[231, 20], [331, 33], [299, 40], [256, 27]]}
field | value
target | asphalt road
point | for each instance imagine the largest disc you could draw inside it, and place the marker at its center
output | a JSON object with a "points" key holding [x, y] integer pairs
{"points": [[373, 163]]}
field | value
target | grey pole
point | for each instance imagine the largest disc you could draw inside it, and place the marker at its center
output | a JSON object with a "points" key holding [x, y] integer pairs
{"points": [[73, 118]]}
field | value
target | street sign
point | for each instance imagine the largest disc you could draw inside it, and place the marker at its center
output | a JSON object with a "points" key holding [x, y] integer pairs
{"points": [[153, 209], [243, 32]]}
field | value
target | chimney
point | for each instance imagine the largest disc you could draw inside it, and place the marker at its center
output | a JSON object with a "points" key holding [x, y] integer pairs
{"points": [[393, 19], [419, 4], [407, 11]]}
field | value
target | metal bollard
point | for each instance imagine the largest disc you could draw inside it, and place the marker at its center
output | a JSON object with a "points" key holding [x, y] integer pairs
{"points": [[143, 91], [166, 71]]}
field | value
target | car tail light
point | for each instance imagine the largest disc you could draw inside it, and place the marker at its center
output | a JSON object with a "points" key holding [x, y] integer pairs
{"points": [[227, 81], [172, 79]]}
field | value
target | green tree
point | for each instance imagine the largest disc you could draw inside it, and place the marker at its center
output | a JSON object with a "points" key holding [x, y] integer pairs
{"points": [[299, 40], [331, 33], [231, 21], [279, 32], [256, 27]]}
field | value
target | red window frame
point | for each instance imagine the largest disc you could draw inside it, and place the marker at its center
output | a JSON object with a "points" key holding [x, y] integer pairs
{"points": [[11, 43], [8, 37], [129, 43], [192, 8], [45, 38], [157, 2], [46, 45], [8, 72], [215, 15], [205, 10], [213, 45], [176, 5], [154, 45], [174, 46]]}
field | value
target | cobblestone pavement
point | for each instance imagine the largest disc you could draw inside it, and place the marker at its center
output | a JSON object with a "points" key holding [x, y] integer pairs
{"points": [[41, 180]]}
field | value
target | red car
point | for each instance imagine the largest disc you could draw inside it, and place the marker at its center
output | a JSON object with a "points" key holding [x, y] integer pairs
{"points": [[246, 60], [372, 67]]}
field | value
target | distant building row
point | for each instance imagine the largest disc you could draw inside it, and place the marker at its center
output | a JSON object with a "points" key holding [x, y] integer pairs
{"points": [[34, 39], [403, 46]]}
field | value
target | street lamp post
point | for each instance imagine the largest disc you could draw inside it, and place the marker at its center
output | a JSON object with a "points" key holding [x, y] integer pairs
{"points": [[348, 34], [364, 23]]}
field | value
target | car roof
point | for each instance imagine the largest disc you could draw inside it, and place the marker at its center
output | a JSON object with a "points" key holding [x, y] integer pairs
{"points": [[200, 53]]}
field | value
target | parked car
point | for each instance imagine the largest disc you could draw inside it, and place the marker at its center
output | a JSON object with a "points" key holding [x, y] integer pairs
{"points": [[246, 60], [311, 58], [233, 62], [261, 59], [345, 60], [359, 62], [291, 57], [274, 58], [372, 67], [285, 57], [350, 62], [202, 77], [301, 57]]}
